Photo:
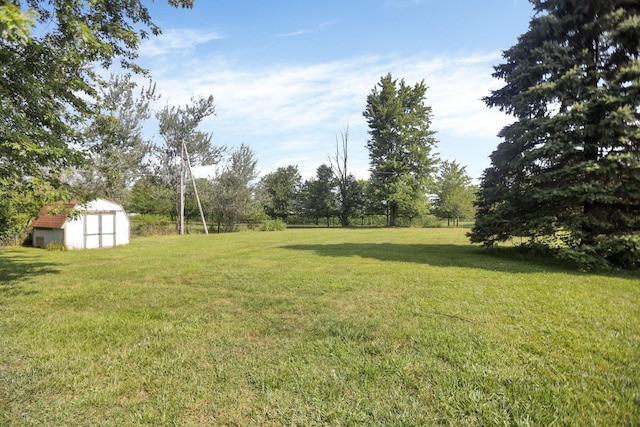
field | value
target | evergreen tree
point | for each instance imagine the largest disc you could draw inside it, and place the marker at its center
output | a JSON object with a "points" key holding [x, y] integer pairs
{"points": [[567, 174], [400, 146]]}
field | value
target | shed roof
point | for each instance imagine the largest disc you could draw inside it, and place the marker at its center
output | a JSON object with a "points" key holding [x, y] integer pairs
{"points": [[49, 219]]}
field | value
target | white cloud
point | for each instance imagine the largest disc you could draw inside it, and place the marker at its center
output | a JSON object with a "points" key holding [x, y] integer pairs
{"points": [[301, 32], [291, 114], [296, 33], [175, 41]]}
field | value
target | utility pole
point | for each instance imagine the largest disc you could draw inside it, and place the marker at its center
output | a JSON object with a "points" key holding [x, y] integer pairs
{"points": [[195, 190], [181, 213]]}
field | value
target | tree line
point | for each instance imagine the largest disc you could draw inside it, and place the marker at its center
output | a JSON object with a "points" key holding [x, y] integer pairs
{"points": [[150, 178], [565, 180]]}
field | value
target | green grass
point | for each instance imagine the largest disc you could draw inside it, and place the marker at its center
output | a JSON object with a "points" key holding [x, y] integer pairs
{"points": [[313, 327]]}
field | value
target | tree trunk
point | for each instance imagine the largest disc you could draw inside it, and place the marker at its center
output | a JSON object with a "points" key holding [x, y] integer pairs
{"points": [[393, 215]]}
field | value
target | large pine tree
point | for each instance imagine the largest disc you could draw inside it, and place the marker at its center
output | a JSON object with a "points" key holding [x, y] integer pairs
{"points": [[567, 174]]}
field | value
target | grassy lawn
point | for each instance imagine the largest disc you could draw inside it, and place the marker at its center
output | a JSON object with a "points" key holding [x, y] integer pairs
{"points": [[313, 327]]}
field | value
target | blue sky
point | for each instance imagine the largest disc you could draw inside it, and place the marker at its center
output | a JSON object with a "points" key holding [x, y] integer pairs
{"points": [[288, 76]]}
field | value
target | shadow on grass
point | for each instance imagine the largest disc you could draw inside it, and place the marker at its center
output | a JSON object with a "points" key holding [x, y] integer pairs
{"points": [[16, 267], [444, 255]]}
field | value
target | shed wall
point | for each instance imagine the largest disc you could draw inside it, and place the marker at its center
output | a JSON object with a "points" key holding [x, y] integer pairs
{"points": [[43, 236], [74, 232], [123, 228]]}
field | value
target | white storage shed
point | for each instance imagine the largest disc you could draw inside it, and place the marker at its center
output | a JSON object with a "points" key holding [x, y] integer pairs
{"points": [[96, 224]]}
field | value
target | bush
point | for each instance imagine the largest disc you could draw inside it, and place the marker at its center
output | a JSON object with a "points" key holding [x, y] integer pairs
{"points": [[56, 246], [273, 225], [150, 225]]}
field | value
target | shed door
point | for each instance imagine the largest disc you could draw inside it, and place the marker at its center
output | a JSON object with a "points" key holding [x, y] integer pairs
{"points": [[108, 229], [100, 230]]}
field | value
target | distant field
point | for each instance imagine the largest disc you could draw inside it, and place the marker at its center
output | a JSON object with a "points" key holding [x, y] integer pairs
{"points": [[404, 327]]}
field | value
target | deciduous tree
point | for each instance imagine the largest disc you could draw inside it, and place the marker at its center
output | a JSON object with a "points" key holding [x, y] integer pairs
{"points": [[152, 195], [319, 195], [349, 192], [118, 150], [49, 79], [454, 192], [400, 146], [232, 197], [18, 201], [279, 190], [184, 144]]}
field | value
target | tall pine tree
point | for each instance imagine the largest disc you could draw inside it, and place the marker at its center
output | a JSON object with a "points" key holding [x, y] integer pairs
{"points": [[567, 174]]}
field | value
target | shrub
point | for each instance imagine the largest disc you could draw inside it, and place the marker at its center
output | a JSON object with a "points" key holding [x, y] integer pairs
{"points": [[150, 225], [273, 225], [56, 246]]}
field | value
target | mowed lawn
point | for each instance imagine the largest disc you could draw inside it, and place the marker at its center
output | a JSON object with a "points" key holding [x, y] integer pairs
{"points": [[313, 327]]}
